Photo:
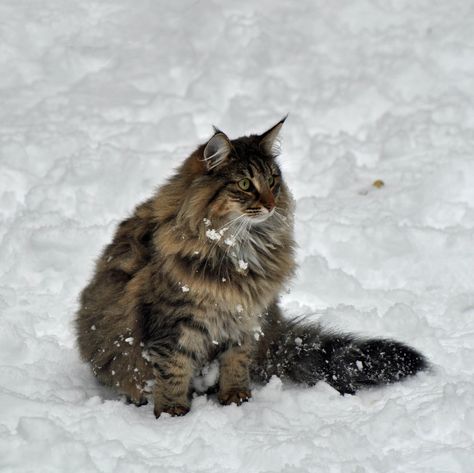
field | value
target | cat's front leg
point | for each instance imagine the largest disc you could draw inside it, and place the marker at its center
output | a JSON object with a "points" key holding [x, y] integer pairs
{"points": [[234, 379], [172, 390]]}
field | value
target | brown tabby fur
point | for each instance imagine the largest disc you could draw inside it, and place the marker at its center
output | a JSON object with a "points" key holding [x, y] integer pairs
{"points": [[194, 275], [166, 298]]}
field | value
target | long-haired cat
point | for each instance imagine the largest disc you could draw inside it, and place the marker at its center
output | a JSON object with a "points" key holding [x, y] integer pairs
{"points": [[195, 274]]}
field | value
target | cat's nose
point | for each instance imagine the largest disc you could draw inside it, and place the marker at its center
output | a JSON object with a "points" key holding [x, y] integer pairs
{"points": [[269, 203], [269, 206]]}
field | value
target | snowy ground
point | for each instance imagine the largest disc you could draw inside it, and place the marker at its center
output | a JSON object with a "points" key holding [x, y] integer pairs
{"points": [[100, 100]]}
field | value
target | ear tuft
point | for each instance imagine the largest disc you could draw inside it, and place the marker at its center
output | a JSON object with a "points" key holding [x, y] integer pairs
{"points": [[217, 150], [269, 141]]}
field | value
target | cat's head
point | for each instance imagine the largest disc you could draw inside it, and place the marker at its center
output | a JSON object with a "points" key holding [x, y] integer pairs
{"points": [[241, 176]]}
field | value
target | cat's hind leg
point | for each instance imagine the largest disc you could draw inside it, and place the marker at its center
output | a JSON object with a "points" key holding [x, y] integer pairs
{"points": [[130, 374]]}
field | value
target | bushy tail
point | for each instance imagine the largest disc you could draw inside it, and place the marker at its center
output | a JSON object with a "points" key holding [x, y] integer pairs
{"points": [[304, 353]]}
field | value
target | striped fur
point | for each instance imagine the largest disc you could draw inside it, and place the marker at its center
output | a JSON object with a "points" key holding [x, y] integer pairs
{"points": [[194, 275], [188, 277]]}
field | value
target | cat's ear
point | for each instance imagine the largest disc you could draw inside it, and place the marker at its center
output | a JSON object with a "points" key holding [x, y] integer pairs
{"points": [[269, 142], [217, 150]]}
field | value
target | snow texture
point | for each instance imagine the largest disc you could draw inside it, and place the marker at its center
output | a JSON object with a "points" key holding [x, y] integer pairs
{"points": [[102, 99]]}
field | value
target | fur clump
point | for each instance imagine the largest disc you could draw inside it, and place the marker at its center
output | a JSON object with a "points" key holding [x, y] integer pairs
{"points": [[194, 275]]}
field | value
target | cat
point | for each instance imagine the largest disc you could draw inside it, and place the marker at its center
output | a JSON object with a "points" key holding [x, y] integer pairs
{"points": [[195, 274]]}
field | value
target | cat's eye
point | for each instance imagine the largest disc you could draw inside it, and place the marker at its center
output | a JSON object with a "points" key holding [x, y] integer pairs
{"points": [[244, 184], [271, 181]]}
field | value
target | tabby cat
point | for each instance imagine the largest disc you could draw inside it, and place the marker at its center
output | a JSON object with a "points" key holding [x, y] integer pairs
{"points": [[195, 274]]}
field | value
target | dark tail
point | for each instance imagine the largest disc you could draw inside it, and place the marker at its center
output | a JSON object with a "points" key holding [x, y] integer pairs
{"points": [[303, 353]]}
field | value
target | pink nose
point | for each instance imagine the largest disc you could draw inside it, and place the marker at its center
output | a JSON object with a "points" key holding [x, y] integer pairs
{"points": [[269, 204]]}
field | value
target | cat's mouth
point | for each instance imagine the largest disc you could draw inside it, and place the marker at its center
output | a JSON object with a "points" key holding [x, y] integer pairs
{"points": [[258, 216]]}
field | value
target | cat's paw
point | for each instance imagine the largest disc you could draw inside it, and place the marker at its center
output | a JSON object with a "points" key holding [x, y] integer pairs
{"points": [[235, 396], [174, 411], [141, 401]]}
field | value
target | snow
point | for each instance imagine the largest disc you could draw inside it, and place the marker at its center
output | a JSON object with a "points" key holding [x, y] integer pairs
{"points": [[230, 241], [213, 234], [101, 100], [243, 265]]}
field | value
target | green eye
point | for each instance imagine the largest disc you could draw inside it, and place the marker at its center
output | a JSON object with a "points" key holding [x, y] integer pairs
{"points": [[244, 184], [271, 181]]}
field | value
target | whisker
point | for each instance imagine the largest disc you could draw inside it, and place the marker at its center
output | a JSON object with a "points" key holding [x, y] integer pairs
{"points": [[281, 218], [230, 222], [230, 247], [218, 242]]}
